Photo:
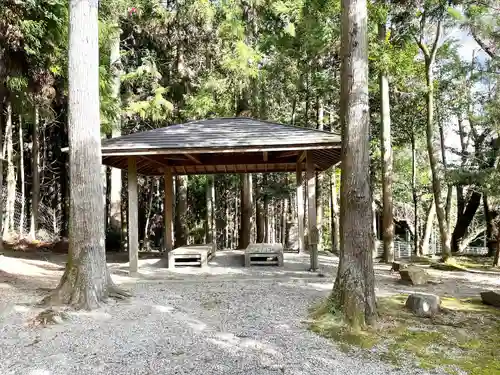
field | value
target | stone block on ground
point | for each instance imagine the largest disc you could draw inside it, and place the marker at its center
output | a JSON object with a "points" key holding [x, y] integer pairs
{"points": [[491, 298], [423, 305], [398, 266], [414, 276]]}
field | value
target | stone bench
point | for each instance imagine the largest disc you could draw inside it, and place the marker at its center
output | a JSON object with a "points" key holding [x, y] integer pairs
{"points": [[193, 255], [263, 254]]}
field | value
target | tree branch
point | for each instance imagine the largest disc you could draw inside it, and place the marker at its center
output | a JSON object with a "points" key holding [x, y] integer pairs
{"points": [[436, 42], [483, 45]]}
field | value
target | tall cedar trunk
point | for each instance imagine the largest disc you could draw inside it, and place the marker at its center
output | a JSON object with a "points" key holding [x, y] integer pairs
{"points": [[436, 182], [1, 168], [149, 212], [35, 172], [210, 199], [21, 178], [115, 188], [424, 244], [86, 281], [354, 289], [284, 221], [334, 212], [319, 179], [181, 211], [260, 222], [386, 148], [416, 248], [8, 228], [246, 210]]}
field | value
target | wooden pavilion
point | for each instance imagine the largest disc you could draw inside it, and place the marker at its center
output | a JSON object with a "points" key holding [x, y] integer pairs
{"points": [[223, 145]]}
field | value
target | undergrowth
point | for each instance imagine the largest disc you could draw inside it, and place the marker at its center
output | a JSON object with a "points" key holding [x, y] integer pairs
{"points": [[464, 336]]}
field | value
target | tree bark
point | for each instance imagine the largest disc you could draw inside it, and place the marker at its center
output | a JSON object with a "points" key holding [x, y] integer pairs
{"points": [[8, 229], [21, 178], [181, 211], [386, 148], [414, 193], [1, 169], [334, 212], [424, 244], [210, 196], [354, 289], [35, 172], [260, 213], [464, 220], [496, 259], [449, 192], [490, 217], [116, 174], [86, 281]]}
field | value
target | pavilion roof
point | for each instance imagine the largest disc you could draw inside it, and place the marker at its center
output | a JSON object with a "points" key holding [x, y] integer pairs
{"points": [[223, 145]]}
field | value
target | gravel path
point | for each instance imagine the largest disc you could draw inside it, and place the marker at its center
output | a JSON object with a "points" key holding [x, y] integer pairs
{"points": [[202, 324]]}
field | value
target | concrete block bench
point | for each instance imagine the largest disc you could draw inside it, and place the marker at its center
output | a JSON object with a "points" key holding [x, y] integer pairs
{"points": [[193, 255], [263, 254]]}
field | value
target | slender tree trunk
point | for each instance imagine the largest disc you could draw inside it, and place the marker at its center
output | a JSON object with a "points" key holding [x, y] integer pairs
{"points": [[145, 241], [246, 210], [449, 192], [334, 212], [116, 174], [354, 289], [490, 217], [386, 148], [35, 171], [260, 213], [414, 193], [210, 196], [181, 211], [436, 182], [8, 229], [284, 221], [21, 178], [431, 213], [319, 179], [496, 259], [267, 221], [86, 281]]}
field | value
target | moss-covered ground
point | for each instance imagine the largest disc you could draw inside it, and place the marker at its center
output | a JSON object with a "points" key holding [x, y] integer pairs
{"points": [[463, 337]]}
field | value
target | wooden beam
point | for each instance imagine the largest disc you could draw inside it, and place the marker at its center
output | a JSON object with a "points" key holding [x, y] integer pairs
{"points": [[155, 162], [168, 212], [133, 216], [300, 207], [266, 156], [193, 158], [302, 157], [312, 219], [287, 154]]}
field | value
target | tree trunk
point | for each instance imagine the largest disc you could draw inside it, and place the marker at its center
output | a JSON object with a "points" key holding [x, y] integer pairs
{"points": [[35, 172], [145, 240], [86, 281], [496, 259], [386, 148], [181, 211], [1, 172], [21, 178], [464, 220], [490, 217], [354, 289], [246, 210], [424, 244], [210, 196], [436, 182], [8, 229], [116, 174], [284, 221], [414, 192], [449, 192], [267, 221], [334, 212], [260, 213]]}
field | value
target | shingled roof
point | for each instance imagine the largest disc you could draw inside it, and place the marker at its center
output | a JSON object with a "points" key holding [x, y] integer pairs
{"points": [[224, 145]]}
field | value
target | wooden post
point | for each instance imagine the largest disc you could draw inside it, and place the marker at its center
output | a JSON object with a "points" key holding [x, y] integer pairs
{"points": [[133, 216], [312, 226], [168, 212], [300, 207]]}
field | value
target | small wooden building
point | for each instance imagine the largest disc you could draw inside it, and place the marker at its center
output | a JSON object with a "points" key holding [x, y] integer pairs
{"points": [[223, 145]]}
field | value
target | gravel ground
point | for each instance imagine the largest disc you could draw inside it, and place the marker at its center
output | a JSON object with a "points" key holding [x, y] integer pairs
{"points": [[210, 322]]}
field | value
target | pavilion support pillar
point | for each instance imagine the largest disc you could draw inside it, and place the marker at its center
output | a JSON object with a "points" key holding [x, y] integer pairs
{"points": [[300, 207], [168, 212], [133, 216], [312, 218]]}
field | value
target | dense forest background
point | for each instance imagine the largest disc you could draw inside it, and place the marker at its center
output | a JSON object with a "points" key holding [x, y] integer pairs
{"points": [[434, 110]]}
